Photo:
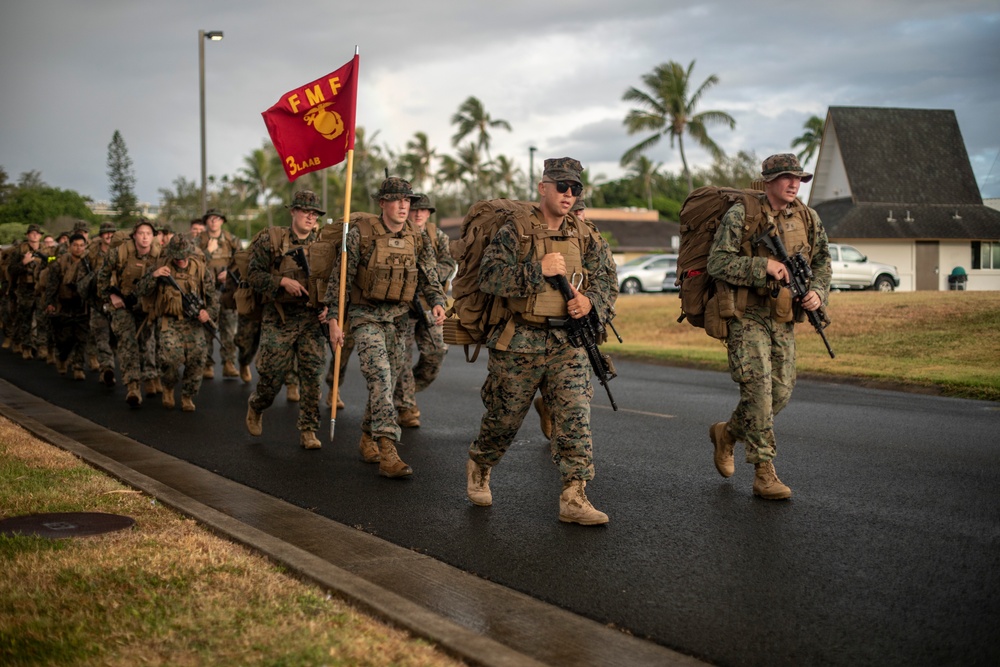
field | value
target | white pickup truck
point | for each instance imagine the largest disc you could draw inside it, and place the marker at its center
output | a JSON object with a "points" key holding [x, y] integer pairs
{"points": [[852, 270]]}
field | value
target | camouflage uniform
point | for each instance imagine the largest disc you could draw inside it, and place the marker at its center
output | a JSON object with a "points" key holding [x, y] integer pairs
{"points": [[761, 345], [180, 339], [67, 312], [428, 336], [130, 326], [540, 357], [379, 327], [291, 335], [99, 333], [218, 260], [23, 277]]}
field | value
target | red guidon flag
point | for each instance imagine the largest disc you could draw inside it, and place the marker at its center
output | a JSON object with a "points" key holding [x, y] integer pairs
{"points": [[312, 127]]}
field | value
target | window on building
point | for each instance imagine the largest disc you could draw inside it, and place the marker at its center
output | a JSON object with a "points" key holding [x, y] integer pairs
{"points": [[986, 254]]}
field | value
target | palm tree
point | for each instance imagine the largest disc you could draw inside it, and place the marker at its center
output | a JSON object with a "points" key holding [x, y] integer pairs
{"points": [[666, 108], [505, 174], [419, 159], [644, 169], [258, 172], [472, 117], [810, 139]]}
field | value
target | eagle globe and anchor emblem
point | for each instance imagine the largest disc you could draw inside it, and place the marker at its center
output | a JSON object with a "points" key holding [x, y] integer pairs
{"points": [[326, 122]]}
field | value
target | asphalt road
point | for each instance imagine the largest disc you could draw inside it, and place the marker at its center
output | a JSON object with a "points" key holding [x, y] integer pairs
{"points": [[887, 554]]}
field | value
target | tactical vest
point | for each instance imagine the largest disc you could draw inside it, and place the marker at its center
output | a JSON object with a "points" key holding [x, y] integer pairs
{"points": [[130, 267], [793, 225], [568, 240], [223, 255], [390, 276], [285, 266], [169, 301], [27, 274]]}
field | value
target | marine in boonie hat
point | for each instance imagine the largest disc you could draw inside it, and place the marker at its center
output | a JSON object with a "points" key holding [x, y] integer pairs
{"points": [[562, 169], [81, 226], [578, 205], [213, 211], [140, 223], [34, 228], [422, 203], [394, 188], [107, 228], [306, 200], [783, 163]]}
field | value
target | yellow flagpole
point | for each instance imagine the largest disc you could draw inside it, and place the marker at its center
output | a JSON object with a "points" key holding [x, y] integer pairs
{"points": [[335, 391]]}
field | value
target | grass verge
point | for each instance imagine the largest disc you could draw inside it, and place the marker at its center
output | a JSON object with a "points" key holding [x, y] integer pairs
{"points": [[165, 592], [945, 342]]}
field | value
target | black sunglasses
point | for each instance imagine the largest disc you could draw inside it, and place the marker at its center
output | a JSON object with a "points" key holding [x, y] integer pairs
{"points": [[562, 186]]}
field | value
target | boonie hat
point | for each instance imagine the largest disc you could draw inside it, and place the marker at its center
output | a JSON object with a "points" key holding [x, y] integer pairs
{"points": [[563, 169], [213, 211], [306, 200], [107, 227], [81, 226], [34, 228], [422, 203], [180, 247], [783, 163], [394, 188]]}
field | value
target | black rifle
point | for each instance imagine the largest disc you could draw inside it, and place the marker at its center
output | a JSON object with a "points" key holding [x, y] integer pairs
{"points": [[193, 305], [299, 255], [799, 277], [585, 332]]}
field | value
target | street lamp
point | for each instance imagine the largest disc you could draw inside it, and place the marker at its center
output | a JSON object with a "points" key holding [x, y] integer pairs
{"points": [[531, 170], [215, 36]]}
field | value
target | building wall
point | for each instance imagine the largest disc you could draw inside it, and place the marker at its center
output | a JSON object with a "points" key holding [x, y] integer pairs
{"points": [[903, 255]]}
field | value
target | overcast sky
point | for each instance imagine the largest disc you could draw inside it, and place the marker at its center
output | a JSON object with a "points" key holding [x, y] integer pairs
{"points": [[73, 71]]}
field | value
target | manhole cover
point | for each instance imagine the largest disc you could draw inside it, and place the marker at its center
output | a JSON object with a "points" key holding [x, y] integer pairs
{"points": [[65, 524]]}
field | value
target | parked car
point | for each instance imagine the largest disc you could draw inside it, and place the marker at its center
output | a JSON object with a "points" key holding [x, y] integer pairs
{"points": [[669, 281], [645, 273], [852, 270]]}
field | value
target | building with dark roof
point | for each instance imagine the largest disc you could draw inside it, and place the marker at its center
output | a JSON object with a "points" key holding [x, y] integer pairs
{"points": [[898, 185]]}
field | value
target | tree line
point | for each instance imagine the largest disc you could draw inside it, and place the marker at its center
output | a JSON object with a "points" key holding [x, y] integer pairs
{"points": [[666, 106]]}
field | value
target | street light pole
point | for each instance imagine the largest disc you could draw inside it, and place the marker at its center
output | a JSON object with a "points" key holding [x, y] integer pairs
{"points": [[215, 36]]}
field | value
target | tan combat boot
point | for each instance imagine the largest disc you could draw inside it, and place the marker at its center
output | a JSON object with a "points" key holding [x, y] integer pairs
{"points": [[329, 401], [766, 483], [309, 440], [229, 370], [78, 374], [477, 483], [409, 417], [60, 367], [368, 449], [94, 364], [575, 508], [544, 418], [187, 403], [209, 371], [293, 393], [245, 373], [149, 386], [6, 343], [50, 357], [389, 464], [255, 421], [723, 442], [134, 395], [168, 398], [27, 353]]}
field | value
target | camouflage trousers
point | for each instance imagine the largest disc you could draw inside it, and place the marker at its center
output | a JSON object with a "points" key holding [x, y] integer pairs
{"points": [[24, 314], [136, 345], [345, 356], [8, 311], [181, 342], [762, 362], [227, 335], [100, 336], [41, 336], [69, 330], [380, 355], [296, 343], [417, 377], [563, 376], [247, 339]]}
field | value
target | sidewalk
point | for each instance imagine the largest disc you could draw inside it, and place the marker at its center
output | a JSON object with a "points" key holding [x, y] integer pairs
{"points": [[475, 620]]}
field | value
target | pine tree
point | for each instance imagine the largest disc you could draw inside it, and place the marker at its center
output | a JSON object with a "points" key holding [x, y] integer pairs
{"points": [[122, 182]]}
